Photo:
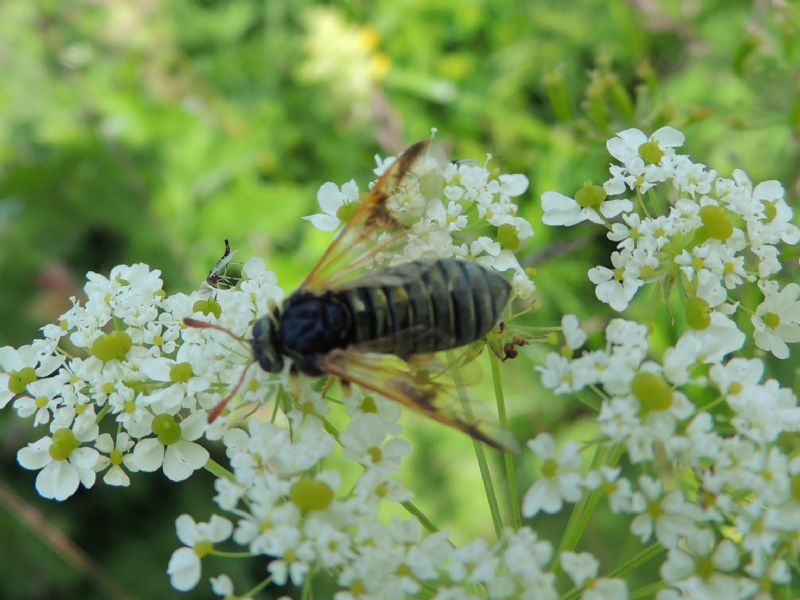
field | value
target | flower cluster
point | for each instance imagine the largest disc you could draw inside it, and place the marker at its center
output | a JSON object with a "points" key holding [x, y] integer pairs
{"points": [[734, 476], [715, 235], [297, 515], [712, 434], [121, 384], [124, 383], [470, 214]]}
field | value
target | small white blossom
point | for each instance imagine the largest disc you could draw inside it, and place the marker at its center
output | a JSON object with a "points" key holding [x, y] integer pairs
{"points": [[178, 455], [64, 463], [331, 199], [560, 480], [777, 318], [582, 569], [199, 540]]}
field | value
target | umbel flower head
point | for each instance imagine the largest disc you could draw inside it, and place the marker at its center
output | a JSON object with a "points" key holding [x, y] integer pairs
{"points": [[124, 361], [691, 441]]}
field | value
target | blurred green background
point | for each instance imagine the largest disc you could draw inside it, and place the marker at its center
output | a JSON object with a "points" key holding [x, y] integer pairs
{"points": [[147, 131]]}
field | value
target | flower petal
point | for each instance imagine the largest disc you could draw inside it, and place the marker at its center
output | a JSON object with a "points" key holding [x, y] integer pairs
{"points": [[184, 569], [58, 480]]}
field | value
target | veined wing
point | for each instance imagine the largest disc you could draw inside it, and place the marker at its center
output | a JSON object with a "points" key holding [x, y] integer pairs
{"points": [[431, 394], [395, 202]]}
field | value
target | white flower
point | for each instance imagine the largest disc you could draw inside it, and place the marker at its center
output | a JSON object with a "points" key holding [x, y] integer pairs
{"points": [[563, 210], [582, 569], [222, 585], [292, 566], [670, 516], [692, 178], [558, 374], [22, 366], [613, 286], [700, 567], [574, 336], [115, 454], [199, 540], [358, 404], [560, 480], [777, 318], [43, 398], [646, 161], [174, 449], [63, 462], [331, 200], [183, 384], [363, 442], [765, 411], [709, 345]]}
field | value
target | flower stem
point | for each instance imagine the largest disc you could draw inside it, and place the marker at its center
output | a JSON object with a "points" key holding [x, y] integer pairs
{"points": [[423, 519], [258, 587], [217, 470], [103, 412], [652, 551], [648, 591], [582, 513], [306, 593], [228, 554], [511, 473], [491, 497], [483, 464]]}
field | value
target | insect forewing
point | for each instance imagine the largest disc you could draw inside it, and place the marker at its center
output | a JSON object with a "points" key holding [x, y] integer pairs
{"points": [[378, 225], [427, 392]]}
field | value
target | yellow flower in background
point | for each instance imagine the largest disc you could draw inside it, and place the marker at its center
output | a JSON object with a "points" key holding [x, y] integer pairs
{"points": [[342, 57]]}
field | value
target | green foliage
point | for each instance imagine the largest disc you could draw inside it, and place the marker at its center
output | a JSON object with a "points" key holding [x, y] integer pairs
{"points": [[149, 131]]}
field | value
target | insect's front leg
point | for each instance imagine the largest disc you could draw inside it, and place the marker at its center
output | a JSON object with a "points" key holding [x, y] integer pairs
{"points": [[329, 381]]}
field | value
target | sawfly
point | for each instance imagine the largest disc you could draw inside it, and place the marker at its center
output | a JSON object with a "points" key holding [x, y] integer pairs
{"points": [[380, 327]]}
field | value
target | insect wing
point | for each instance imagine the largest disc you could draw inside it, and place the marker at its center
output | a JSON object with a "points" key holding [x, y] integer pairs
{"points": [[395, 202], [433, 394]]}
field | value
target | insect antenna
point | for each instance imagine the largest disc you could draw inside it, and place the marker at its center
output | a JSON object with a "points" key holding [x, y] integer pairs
{"points": [[217, 410], [190, 322]]}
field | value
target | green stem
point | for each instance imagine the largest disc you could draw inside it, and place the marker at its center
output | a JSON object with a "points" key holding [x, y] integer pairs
{"points": [[648, 591], [334, 433], [103, 412], [306, 593], [488, 486], [642, 204], [480, 455], [508, 459], [654, 200], [423, 519], [254, 590], [646, 555], [228, 554], [583, 510], [217, 470]]}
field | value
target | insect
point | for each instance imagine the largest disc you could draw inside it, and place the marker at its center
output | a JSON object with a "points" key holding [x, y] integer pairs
{"points": [[368, 326], [219, 277]]}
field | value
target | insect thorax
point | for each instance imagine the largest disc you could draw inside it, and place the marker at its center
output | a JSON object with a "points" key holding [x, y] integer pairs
{"points": [[310, 326]]}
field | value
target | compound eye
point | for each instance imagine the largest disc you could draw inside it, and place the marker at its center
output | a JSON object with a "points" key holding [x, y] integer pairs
{"points": [[264, 363], [264, 349]]}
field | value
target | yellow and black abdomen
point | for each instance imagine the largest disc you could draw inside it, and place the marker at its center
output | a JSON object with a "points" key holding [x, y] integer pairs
{"points": [[424, 306]]}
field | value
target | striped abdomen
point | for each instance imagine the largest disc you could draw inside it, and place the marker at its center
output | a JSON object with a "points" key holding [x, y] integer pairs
{"points": [[424, 306]]}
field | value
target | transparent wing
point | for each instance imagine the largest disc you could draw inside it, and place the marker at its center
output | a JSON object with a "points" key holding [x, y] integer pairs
{"points": [[380, 221], [431, 392]]}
